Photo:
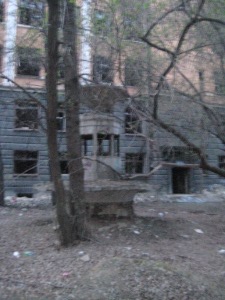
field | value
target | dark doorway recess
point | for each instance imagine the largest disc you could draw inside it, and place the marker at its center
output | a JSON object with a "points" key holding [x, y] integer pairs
{"points": [[180, 180]]}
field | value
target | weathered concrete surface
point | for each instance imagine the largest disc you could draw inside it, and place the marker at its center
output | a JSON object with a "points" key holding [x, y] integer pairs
{"points": [[143, 203], [106, 198]]}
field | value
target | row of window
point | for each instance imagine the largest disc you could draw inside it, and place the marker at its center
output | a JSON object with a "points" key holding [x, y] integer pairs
{"points": [[31, 12], [107, 145], [29, 63], [102, 24], [27, 118], [103, 71], [26, 162]]}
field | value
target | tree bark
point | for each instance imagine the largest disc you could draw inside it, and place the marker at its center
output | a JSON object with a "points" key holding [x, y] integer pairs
{"points": [[77, 207], [51, 86]]}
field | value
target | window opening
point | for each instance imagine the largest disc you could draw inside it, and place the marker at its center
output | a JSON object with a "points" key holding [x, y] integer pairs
{"points": [[133, 72], [116, 144], [26, 116], [132, 123], [31, 12], [101, 22], [61, 121], [221, 159], [63, 161], [179, 154], [133, 25], [87, 145], [102, 70], [29, 61], [104, 145], [25, 162], [61, 70], [134, 163]]}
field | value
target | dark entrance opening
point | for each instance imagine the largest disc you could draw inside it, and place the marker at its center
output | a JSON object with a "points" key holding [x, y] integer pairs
{"points": [[180, 180], [27, 195]]}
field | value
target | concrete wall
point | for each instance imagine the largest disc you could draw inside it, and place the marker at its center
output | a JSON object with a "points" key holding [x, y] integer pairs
{"points": [[35, 140]]}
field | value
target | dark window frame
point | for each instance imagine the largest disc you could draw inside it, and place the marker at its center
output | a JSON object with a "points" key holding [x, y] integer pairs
{"points": [[179, 154], [63, 163], [29, 61], [101, 22], [102, 69], [31, 13], [25, 163], [87, 142], [61, 121], [221, 161], [133, 72], [131, 26], [134, 163], [26, 116], [108, 144], [133, 125], [104, 144], [116, 145]]}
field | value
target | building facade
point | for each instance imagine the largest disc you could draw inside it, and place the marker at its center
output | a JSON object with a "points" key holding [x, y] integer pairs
{"points": [[117, 142]]}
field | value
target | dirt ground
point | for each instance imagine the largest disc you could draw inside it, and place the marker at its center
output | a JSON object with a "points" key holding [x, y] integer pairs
{"points": [[176, 254]]}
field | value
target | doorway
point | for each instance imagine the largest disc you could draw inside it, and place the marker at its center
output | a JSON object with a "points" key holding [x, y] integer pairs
{"points": [[180, 180]]}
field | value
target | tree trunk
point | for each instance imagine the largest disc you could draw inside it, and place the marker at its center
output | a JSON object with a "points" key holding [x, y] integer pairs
{"points": [[51, 86], [77, 206]]}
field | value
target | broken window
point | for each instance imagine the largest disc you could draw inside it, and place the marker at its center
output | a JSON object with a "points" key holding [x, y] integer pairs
{"points": [[102, 70], [134, 163], [101, 22], [25, 162], [132, 25], [179, 154], [63, 160], [87, 145], [2, 8], [29, 61], [129, 31], [61, 121], [132, 123], [104, 145], [26, 116], [108, 145], [221, 159], [31, 12], [133, 72]]}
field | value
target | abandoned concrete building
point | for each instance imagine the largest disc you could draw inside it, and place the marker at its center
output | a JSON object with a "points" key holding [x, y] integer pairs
{"points": [[111, 148], [116, 143]]}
